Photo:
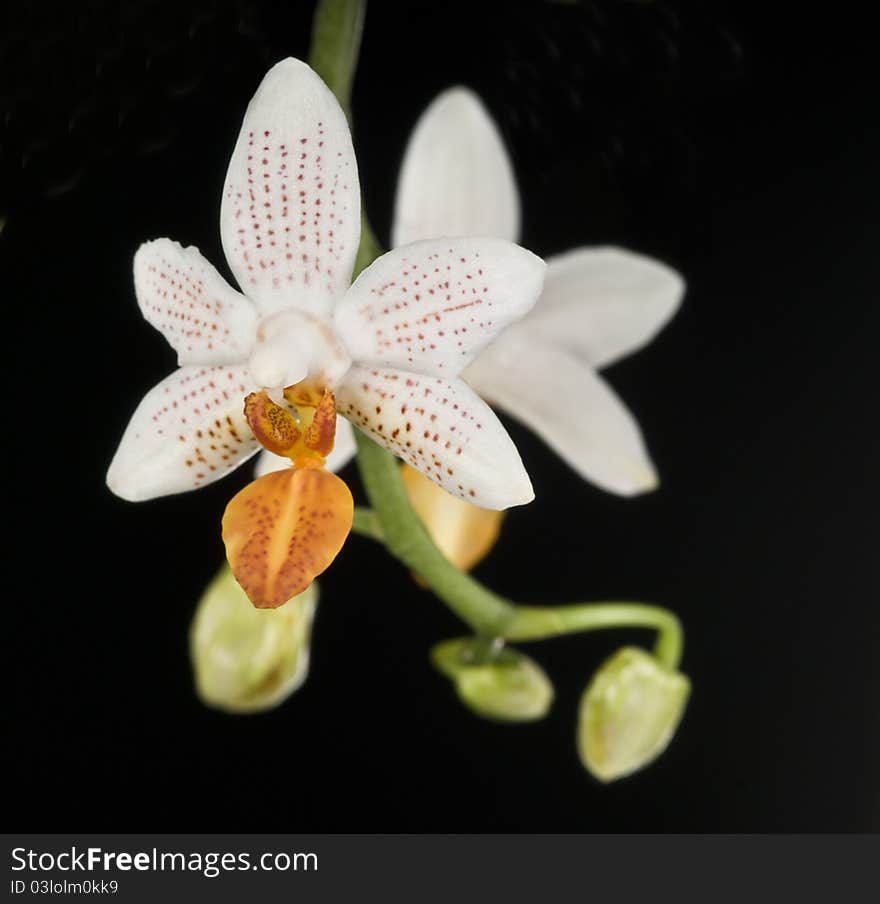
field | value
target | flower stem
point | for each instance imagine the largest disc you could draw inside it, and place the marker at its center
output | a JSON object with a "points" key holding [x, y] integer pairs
{"points": [[537, 623], [336, 39], [406, 539], [366, 523]]}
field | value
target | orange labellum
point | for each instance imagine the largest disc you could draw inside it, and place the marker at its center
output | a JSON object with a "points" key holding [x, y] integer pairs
{"points": [[283, 530]]}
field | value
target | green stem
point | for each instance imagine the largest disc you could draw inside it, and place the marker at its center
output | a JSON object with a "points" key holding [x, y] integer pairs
{"points": [[534, 623], [366, 523], [336, 38], [406, 539]]}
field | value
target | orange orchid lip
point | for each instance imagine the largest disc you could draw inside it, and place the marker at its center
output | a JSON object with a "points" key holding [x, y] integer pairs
{"points": [[285, 528]]}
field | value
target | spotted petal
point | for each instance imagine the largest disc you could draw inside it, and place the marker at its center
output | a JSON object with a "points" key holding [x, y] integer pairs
{"points": [[290, 218], [570, 407], [456, 177], [344, 450], [433, 306], [605, 303], [188, 431], [203, 318], [441, 428]]}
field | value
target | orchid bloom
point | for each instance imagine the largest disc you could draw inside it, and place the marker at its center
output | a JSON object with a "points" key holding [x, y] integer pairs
{"points": [[272, 365], [598, 304]]}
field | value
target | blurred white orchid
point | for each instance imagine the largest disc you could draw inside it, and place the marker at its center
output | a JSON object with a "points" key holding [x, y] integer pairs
{"points": [[598, 304]]}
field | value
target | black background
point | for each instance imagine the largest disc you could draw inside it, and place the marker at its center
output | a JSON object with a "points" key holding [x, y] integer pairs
{"points": [[739, 143]]}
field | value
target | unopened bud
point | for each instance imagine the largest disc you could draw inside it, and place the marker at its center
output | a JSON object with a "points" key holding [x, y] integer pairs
{"points": [[505, 686], [629, 713], [247, 659]]}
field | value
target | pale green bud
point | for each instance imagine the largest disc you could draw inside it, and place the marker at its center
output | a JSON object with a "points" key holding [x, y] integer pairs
{"points": [[247, 659], [505, 685], [629, 713]]}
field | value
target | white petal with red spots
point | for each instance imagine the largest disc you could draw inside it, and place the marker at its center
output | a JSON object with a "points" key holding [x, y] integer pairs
{"points": [[188, 431], [203, 318], [441, 428], [290, 217], [434, 305]]}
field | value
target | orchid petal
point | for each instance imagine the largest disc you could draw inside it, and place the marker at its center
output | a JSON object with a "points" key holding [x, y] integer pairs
{"points": [[188, 431], [441, 428], [203, 318], [283, 530], [570, 407], [433, 306], [605, 303], [290, 218], [344, 449], [456, 177]]}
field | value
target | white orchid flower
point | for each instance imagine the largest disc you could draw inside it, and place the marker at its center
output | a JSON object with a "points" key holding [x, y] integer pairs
{"points": [[598, 304], [390, 346], [385, 351]]}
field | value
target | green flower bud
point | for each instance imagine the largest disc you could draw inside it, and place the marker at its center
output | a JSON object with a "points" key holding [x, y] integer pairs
{"points": [[247, 659], [507, 686], [629, 713]]}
